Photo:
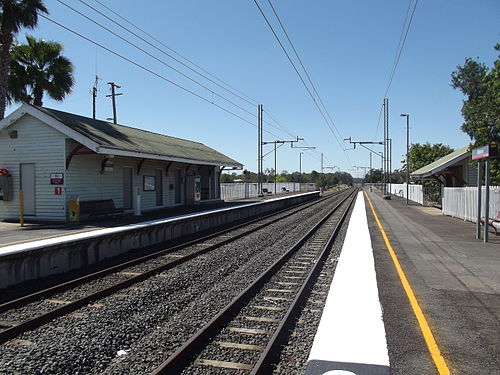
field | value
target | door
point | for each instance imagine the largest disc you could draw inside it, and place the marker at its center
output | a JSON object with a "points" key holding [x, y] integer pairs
{"points": [[177, 186], [28, 188], [127, 187], [159, 187]]}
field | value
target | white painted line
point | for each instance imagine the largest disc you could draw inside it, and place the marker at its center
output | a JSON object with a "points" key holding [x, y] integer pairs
{"points": [[351, 330], [33, 245]]}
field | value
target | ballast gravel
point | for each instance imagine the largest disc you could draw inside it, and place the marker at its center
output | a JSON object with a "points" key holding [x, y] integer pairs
{"points": [[134, 330]]}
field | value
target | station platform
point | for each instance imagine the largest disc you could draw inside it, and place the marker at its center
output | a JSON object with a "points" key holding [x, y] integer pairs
{"points": [[13, 233], [438, 289], [72, 247]]}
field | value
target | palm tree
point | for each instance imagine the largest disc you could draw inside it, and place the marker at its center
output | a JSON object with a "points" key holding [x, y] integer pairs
{"points": [[39, 67], [14, 15]]}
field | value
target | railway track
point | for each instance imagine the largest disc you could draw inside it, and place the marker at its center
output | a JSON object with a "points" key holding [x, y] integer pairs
{"points": [[247, 333], [127, 275]]}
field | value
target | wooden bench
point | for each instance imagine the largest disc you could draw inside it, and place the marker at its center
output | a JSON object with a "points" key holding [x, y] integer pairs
{"points": [[102, 207], [493, 222]]}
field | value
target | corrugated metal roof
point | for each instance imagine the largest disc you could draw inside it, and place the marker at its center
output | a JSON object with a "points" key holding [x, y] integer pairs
{"points": [[441, 163], [125, 138]]}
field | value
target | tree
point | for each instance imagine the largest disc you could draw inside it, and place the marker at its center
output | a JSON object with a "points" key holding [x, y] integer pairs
{"points": [[15, 14], [481, 108], [421, 155], [38, 67], [373, 176]]}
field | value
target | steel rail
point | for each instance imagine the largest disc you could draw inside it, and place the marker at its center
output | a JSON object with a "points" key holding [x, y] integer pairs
{"points": [[271, 353], [36, 322], [68, 284], [192, 347]]}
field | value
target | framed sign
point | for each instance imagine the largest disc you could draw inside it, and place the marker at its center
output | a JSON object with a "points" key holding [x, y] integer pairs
{"points": [[485, 152], [149, 183], [57, 178]]}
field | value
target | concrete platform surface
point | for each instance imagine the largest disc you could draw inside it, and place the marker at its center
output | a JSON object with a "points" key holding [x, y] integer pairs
{"points": [[351, 333], [456, 281], [13, 233]]}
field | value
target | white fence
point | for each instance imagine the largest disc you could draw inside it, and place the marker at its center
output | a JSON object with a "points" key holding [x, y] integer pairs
{"points": [[415, 192], [248, 190], [462, 202]]}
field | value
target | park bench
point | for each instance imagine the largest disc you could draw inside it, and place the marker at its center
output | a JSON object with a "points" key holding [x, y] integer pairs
{"points": [[493, 222], [102, 207], [265, 191]]}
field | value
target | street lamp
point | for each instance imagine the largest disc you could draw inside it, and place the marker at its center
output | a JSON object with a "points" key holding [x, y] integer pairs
{"points": [[407, 153]]}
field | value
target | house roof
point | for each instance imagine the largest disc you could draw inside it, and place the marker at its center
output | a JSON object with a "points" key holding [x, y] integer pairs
{"points": [[108, 138], [441, 163]]}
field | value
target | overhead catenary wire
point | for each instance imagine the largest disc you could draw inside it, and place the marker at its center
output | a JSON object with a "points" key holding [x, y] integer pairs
{"points": [[401, 44], [301, 78], [154, 57], [303, 67], [152, 72], [231, 91], [279, 127], [254, 102]]}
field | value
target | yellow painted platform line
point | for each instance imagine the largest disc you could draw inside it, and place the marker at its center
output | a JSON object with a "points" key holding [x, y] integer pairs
{"points": [[424, 326], [47, 237]]}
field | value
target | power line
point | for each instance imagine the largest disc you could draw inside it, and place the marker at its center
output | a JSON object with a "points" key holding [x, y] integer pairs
{"points": [[162, 62], [300, 77], [151, 72], [163, 52], [174, 51], [250, 101], [154, 57], [302, 65], [280, 128], [401, 44]]}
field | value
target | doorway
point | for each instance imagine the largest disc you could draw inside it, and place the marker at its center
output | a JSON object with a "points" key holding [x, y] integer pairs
{"points": [[28, 188], [127, 187], [159, 187]]}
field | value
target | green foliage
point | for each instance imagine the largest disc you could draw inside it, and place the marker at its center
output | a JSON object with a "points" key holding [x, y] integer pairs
{"points": [[323, 180], [481, 108], [14, 15], [38, 67], [421, 155], [373, 176]]}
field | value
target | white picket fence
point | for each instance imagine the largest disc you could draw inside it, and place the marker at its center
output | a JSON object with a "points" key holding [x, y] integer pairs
{"points": [[462, 202], [237, 190], [415, 192]]}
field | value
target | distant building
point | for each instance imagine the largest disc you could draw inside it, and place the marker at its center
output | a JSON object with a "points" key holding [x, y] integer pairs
{"points": [[452, 170], [55, 156]]}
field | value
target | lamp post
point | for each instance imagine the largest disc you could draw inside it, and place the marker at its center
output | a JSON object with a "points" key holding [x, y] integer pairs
{"points": [[407, 154]]}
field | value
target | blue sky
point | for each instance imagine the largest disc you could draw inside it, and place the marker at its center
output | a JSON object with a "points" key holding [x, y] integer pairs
{"points": [[348, 48]]}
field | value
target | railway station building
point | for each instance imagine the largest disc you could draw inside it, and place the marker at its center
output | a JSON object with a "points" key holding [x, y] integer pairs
{"points": [[452, 170], [55, 157]]}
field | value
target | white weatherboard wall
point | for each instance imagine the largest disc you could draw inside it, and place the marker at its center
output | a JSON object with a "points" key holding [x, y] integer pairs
{"points": [[85, 181], [43, 146], [351, 333]]}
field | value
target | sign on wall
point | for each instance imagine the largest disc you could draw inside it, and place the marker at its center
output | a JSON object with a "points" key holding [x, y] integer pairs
{"points": [[57, 178]]}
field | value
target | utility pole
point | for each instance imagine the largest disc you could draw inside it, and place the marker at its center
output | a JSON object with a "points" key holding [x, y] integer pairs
{"points": [[387, 151], [113, 95], [260, 143], [321, 163], [94, 96]]}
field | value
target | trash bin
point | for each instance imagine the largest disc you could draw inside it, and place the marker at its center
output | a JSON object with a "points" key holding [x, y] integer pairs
{"points": [[74, 210]]}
